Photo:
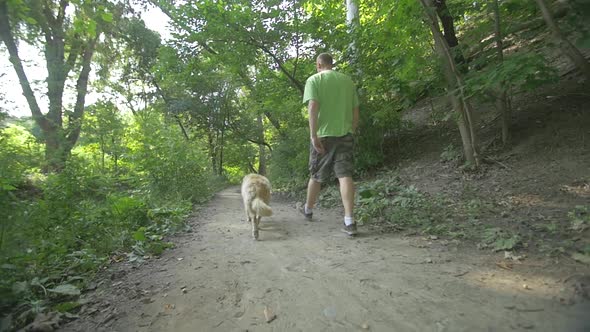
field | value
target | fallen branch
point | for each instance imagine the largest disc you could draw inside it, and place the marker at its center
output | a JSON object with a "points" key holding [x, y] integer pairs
{"points": [[488, 159], [460, 274]]}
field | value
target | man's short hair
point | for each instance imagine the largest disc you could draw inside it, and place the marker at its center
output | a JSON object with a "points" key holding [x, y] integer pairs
{"points": [[325, 59]]}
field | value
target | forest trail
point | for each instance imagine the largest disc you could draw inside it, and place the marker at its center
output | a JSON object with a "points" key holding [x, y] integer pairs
{"points": [[314, 278]]}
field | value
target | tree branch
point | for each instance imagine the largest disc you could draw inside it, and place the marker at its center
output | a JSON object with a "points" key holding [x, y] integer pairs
{"points": [[62, 11], [74, 52], [279, 63], [251, 140], [8, 39], [167, 12], [167, 102], [75, 122]]}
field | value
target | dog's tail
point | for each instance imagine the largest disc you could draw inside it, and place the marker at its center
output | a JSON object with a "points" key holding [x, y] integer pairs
{"points": [[261, 208]]}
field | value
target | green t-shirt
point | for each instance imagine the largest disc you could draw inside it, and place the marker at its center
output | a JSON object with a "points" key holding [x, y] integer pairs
{"points": [[336, 95]]}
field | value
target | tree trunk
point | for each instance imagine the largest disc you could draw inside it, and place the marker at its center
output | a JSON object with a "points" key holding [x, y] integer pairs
{"points": [[222, 142], [466, 138], [102, 153], [55, 152], [184, 133], [353, 24], [449, 31], [212, 152], [115, 154], [455, 88], [261, 148], [501, 104], [566, 46]]}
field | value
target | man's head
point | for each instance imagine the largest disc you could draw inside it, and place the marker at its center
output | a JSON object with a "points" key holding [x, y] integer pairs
{"points": [[324, 62]]}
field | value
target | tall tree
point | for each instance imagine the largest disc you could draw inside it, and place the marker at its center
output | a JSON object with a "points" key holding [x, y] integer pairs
{"points": [[69, 40], [455, 87]]}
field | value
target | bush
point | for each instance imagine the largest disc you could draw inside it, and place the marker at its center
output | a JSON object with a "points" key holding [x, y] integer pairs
{"points": [[288, 166], [169, 165]]}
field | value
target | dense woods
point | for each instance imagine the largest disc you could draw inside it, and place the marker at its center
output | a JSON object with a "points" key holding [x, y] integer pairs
{"points": [[86, 184]]}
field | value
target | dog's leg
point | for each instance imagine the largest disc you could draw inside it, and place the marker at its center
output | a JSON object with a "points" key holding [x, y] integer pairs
{"points": [[255, 227], [247, 209]]}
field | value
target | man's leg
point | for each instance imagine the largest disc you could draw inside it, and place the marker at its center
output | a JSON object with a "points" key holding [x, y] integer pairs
{"points": [[347, 194], [313, 191]]}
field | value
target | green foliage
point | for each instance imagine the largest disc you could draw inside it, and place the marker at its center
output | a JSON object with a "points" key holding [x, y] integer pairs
{"points": [[450, 154], [520, 72], [498, 239], [104, 126], [386, 199], [580, 218], [61, 227], [169, 165], [19, 151], [289, 163]]}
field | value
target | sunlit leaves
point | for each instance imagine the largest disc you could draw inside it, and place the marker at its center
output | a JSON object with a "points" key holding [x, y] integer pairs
{"points": [[107, 17]]}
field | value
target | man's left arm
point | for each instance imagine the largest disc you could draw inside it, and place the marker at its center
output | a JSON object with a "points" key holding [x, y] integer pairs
{"points": [[313, 109]]}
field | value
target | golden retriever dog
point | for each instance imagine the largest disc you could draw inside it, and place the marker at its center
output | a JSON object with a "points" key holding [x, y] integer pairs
{"points": [[256, 195]]}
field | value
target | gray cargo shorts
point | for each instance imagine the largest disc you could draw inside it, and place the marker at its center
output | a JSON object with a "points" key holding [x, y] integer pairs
{"points": [[338, 157]]}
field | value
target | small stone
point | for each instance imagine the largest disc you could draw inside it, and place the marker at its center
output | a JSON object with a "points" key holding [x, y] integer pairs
{"points": [[269, 315]]}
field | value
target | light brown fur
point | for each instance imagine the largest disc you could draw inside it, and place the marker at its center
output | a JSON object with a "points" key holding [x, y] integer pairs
{"points": [[256, 195]]}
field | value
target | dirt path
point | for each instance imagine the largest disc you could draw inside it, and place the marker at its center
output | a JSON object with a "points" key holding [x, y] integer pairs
{"points": [[316, 279]]}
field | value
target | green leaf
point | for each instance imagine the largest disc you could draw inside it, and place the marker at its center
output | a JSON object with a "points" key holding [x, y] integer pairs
{"points": [[139, 235], [30, 20], [7, 187], [65, 289], [20, 287], [67, 306], [92, 28], [367, 193], [78, 25], [506, 244], [107, 17]]}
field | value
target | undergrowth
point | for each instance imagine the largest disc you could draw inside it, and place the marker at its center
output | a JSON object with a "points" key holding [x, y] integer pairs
{"points": [[59, 229], [54, 244], [387, 200]]}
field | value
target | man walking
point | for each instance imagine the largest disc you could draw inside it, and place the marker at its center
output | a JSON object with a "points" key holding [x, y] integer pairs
{"points": [[333, 117]]}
